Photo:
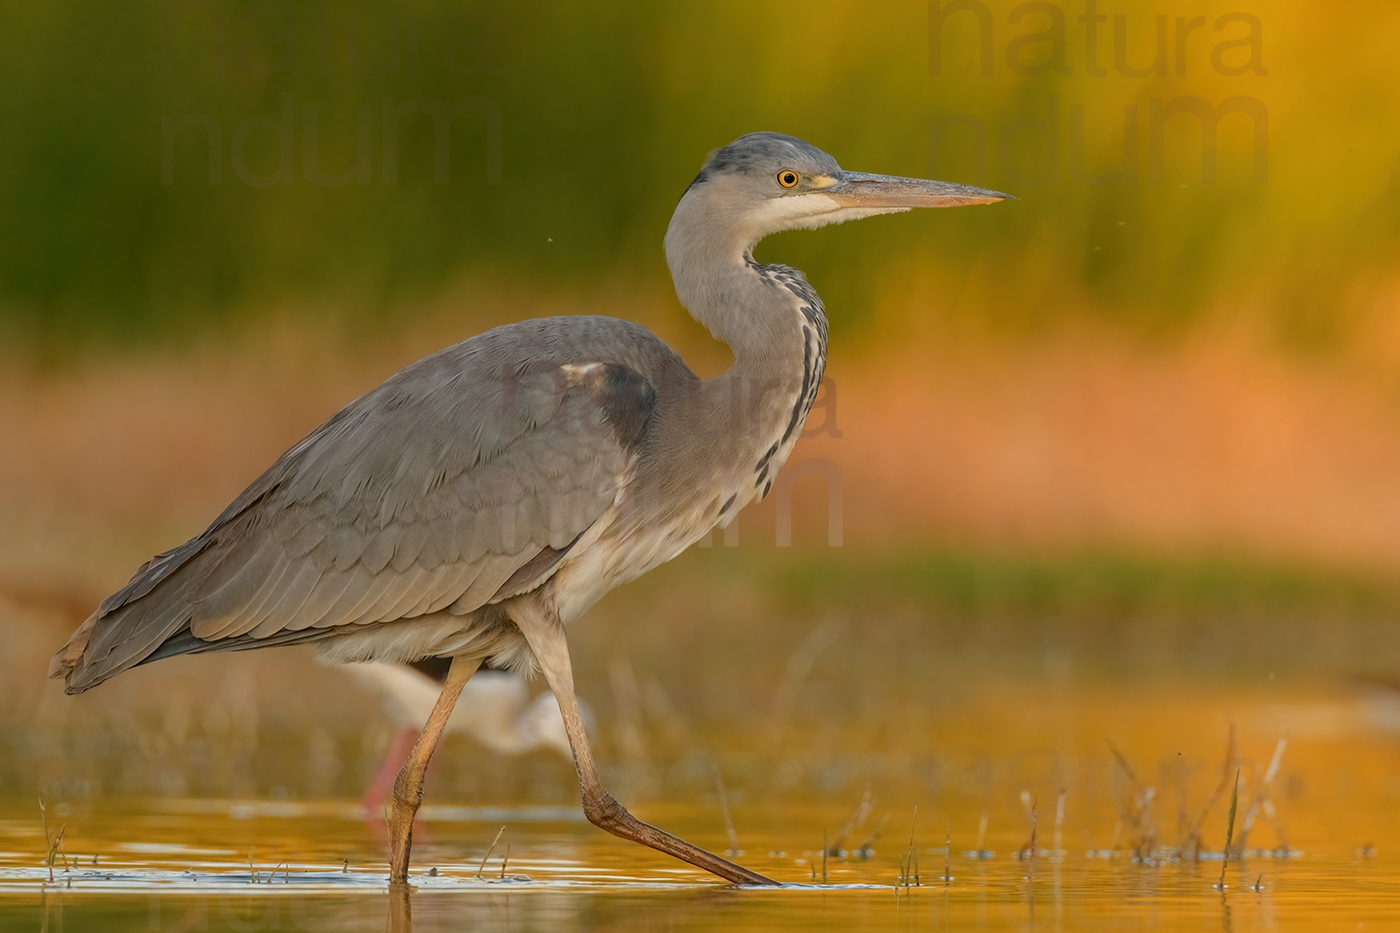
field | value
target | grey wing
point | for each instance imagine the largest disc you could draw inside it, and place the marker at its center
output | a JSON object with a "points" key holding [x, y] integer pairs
{"points": [[458, 482]]}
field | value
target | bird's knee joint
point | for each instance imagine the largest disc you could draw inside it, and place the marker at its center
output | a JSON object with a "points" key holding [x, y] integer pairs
{"points": [[604, 811], [406, 795]]}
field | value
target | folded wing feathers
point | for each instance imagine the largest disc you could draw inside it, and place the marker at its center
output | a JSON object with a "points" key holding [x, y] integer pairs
{"points": [[419, 497], [456, 541], [254, 608], [284, 612]]}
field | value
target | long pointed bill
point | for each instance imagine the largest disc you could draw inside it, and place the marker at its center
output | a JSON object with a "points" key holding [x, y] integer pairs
{"points": [[889, 192]]}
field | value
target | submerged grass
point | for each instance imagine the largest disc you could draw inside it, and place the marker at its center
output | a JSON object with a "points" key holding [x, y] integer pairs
{"points": [[1135, 830], [53, 839], [724, 812], [855, 821], [489, 849], [947, 853], [1262, 802], [909, 862], [1191, 842], [1229, 831]]}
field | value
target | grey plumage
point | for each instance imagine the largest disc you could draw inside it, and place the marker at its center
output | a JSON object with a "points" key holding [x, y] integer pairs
{"points": [[429, 495], [482, 499]]}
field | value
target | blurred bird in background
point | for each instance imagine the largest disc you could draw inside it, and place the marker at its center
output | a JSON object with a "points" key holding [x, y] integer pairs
{"points": [[494, 710]]}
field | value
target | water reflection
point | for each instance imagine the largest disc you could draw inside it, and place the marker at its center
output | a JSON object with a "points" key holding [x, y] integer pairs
{"points": [[400, 908], [1063, 898]]}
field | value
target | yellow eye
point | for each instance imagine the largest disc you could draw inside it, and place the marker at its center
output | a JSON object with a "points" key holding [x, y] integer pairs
{"points": [[787, 178]]}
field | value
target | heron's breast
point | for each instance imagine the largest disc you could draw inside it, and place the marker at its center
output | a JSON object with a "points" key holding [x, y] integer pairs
{"points": [[622, 550]]}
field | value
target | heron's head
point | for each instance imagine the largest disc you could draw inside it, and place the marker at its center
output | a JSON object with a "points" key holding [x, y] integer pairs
{"points": [[766, 182]]}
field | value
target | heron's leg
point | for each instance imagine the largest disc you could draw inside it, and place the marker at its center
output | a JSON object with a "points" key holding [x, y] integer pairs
{"points": [[408, 786], [546, 638]]}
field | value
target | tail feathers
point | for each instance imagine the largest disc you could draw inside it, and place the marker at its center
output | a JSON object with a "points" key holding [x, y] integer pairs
{"points": [[130, 624], [70, 654], [105, 646], [83, 666], [133, 621]]}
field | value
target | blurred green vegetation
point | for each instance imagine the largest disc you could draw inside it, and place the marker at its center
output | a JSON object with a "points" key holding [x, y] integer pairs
{"points": [[606, 114], [1113, 614], [1110, 584]]}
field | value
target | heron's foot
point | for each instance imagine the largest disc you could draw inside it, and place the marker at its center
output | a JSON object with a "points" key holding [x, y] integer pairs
{"points": [[607, 814]]}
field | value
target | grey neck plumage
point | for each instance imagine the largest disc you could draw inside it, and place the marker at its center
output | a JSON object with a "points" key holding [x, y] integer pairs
{"points": [[768, 315]]}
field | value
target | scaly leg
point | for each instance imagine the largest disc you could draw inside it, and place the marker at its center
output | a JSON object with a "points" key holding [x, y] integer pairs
{"points": [[546, 638], [408, 786]]}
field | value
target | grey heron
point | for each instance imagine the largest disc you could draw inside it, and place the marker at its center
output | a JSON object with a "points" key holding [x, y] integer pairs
{"points": [[483, 498]]}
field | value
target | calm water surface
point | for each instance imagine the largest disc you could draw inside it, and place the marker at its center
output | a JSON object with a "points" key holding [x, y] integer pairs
{"points": [[1319, 854]]}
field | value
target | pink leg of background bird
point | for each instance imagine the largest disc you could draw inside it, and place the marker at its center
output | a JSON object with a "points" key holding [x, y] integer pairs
{"points": [[378, 790], [377, 795]]}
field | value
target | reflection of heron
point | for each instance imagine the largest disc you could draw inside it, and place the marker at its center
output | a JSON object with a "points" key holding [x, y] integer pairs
{"points": [[486, 496], [494, 709]]}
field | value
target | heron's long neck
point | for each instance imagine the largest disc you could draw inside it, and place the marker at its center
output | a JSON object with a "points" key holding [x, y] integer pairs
{"points": [[759, 311], [771, 319]]}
